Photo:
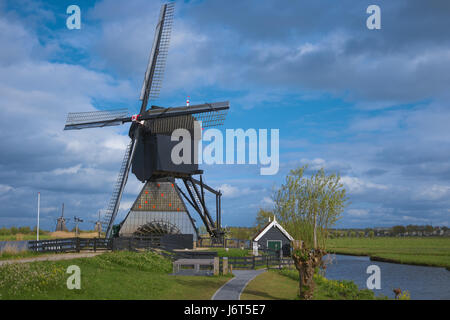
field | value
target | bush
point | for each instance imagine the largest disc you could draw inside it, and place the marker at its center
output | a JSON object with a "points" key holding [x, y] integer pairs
{"points": [[404, 295], [25, 230], [343, 289]]}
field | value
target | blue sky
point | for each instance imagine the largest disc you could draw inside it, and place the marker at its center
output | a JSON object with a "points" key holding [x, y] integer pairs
{"points": [[369, 104]]}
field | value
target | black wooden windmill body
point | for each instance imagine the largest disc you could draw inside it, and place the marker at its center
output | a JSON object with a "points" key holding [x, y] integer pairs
{"points": [[159, 207]]}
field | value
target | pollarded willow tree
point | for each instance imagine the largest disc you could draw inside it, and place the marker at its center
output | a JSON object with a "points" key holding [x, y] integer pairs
{"points": [[308, 208]]}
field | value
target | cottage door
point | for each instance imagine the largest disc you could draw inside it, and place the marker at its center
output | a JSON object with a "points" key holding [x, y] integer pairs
{"points": [[274, 245]]}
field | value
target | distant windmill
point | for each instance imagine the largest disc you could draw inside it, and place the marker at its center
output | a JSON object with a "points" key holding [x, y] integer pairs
{"points": [[97, 224], [61, 221]]}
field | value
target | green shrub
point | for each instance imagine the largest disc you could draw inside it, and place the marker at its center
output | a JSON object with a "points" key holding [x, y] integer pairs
{"points": [[24, 230], [404, 295], [4, 231], [343, 289]]}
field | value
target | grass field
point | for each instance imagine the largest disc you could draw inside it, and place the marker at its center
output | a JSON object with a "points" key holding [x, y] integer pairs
{"points": [[414, 250], [283, 285], [117, 275]]}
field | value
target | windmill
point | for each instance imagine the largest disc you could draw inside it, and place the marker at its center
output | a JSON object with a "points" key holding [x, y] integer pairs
{"points": [[61, 221], [148, 154]]}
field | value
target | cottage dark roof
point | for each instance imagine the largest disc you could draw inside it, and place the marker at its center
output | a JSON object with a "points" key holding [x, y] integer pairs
{"points": [[267, 227]]}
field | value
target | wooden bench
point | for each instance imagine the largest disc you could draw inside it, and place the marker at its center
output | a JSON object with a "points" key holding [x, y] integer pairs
{"points": [[196, 263]]}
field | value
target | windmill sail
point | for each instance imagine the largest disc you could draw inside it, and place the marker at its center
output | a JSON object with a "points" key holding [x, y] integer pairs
{"points": [[211, 114], [114, 203], [95, 119], [157, 61]]}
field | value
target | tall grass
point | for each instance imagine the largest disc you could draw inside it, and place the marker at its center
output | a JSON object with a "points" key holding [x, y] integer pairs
{"points": [[31, 279], [332, 289]]}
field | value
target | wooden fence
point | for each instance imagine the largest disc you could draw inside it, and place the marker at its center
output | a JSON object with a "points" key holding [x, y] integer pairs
{"points": [[93, 244], [69, 245], [256, 262]]}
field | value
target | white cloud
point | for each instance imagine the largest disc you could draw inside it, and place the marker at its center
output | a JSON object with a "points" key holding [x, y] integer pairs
{"points": [[358, 212], [433, 192], [71, 170], [228, 190], [267, 201], [126, 205], [356, 185], [5, 188]]}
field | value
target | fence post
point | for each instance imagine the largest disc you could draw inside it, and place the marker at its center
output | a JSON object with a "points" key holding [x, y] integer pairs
{"points": [[253, 262], [216, 266], [95, 244], [225, 265], [77, 245]]}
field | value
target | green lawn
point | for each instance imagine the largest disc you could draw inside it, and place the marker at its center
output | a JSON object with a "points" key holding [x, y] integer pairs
{"points": [[7, 255], [412, 250], [283, 285], [231, 252], [13, 237], [117, 275]]}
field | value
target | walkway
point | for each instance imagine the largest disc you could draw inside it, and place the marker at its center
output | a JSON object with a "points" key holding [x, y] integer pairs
{"points": [[54, 257], [232, 289]]}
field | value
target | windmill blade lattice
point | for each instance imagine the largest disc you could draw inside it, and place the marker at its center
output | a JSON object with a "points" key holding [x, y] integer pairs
{"points": [[95, 119], [212, 118], [157, 62], [114, 203]]}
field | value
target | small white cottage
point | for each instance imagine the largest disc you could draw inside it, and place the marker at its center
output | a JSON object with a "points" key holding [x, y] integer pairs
{"points": [[274, 237]]}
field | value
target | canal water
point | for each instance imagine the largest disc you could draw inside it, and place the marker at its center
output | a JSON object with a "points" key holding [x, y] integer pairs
{"points": [[427, 283]]}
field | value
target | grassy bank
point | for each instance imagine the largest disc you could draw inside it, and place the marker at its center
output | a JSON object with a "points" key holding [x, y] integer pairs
{"points": [[117, 275], [283, 285], [408, 250], [47, 236], [15, 254]]}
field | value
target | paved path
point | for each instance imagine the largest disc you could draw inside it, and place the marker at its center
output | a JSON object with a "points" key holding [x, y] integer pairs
{"points": [[232, 289], [55, 257]]}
